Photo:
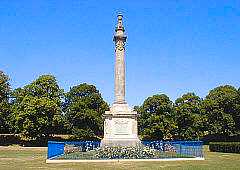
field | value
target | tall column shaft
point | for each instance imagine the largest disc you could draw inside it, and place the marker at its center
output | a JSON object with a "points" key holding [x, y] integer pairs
{"points": [[119, 75], [119, 40]]}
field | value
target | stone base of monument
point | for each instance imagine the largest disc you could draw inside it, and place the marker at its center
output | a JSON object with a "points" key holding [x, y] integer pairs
{"points": [[120, 126], [125, 160], [119, 142]]}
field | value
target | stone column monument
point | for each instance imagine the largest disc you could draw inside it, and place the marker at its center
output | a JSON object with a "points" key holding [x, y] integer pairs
{"points": [[120, 124]]}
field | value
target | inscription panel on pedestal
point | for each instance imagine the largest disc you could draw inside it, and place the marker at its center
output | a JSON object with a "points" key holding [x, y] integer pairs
{"points": [[122, 127]]}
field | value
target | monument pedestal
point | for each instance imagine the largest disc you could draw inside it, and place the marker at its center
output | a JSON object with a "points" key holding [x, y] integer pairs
{"points": [[120, 126]]}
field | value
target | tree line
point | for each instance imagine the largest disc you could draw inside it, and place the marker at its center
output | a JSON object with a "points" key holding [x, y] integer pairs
{"points": [[41, 109]]}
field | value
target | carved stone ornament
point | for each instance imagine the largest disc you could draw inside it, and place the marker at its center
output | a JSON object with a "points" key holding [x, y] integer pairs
{"points": [[106, 126], [120, 45]]}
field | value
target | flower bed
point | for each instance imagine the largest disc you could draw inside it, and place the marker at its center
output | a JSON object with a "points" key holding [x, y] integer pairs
{"points": [[151, 150], [119, 152]]}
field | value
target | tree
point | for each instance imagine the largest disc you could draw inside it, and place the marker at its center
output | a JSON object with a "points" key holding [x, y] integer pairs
{"points": [[188, 117], [37, 108], [156, 118], [222, 111], [83, 109], [4, 102]]}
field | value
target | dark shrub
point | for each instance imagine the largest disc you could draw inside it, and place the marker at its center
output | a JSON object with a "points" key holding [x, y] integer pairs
{"points": [[9, 139], [227, 147]]}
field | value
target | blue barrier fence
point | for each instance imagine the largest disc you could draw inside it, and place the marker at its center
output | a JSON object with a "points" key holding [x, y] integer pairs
{"points": [[181, 148], [55, 148], [190, 148]]}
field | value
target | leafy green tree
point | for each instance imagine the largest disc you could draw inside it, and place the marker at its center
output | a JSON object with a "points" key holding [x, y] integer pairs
{"points": [[156, 118], [222, 111], [189, 119], [4, 102], [83, 109], [37, 108]]}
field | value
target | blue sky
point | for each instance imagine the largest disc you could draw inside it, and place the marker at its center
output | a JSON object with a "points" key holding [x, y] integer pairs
{"points": [[173, 47]]}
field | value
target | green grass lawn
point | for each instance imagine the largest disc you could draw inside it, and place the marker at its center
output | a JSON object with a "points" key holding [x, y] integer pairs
{"points": [[34, 158]]}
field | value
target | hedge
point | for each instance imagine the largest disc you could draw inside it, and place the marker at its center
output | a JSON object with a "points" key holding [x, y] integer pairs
{"points": [[227, 147], [9, 139], [15, 139]]}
